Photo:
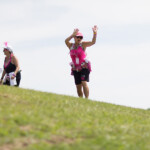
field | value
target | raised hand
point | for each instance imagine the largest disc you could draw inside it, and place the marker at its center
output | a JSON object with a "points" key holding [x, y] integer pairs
{"points": [[95, 28], [13, 77], [75, 32]]}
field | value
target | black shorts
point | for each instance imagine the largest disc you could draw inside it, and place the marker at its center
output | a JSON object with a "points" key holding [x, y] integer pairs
{"points": [[82, 75]]}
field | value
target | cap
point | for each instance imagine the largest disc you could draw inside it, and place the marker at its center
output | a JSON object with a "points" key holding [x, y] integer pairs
{"points": [[8, 47], [79, 34]]}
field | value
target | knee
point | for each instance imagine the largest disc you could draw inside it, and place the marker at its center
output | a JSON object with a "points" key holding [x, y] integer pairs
{"points": [[79, 91], [84, 84]]}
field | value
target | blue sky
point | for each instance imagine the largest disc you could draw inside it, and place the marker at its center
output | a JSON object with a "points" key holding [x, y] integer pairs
{"points": [[120, 59]]}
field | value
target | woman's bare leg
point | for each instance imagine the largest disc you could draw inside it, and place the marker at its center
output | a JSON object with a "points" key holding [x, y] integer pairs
{"points": [[85, 89], [79, 90]]}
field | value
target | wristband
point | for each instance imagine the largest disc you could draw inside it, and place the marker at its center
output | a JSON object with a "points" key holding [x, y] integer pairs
{"points": [[14, 75], [95, 35]]}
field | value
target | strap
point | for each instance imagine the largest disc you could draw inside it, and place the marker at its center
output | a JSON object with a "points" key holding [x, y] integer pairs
{"points": [[7, 63], [72, 46]]}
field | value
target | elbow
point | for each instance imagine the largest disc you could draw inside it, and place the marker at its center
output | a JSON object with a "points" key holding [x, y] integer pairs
{"points": [[93, 42], [66, 41]]}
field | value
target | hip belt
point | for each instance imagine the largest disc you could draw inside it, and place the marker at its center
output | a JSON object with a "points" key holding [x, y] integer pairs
{"points": [[78, 68]]}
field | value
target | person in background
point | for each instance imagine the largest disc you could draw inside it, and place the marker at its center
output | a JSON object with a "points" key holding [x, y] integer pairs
{"points": [[11, 67], [81, 67]]}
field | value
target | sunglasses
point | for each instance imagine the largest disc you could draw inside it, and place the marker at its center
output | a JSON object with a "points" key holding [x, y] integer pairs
{"points": [[5, 49], [79, 37]]}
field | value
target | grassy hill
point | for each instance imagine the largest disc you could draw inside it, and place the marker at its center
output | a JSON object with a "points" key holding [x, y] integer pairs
{"points": [[32, 120]]}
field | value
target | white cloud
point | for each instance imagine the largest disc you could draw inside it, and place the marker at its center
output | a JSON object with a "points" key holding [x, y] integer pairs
{"points": [[28, 20]]}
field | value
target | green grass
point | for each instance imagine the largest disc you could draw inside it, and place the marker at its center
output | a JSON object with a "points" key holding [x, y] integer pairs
{"points": [[32, 120]]}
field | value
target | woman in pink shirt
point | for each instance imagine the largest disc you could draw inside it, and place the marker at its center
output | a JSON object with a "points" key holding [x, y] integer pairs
{"points": [[81, 67]]}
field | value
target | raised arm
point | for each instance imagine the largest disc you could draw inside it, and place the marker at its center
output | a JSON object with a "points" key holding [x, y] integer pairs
{"points": [[67, 41], [90, 43]]}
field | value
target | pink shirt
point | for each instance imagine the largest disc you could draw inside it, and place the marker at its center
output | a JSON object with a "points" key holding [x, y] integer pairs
{"points": [[77, 55]]}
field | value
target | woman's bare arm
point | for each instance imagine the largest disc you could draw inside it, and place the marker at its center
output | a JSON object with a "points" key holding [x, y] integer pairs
{"points": [[15, 61], [90, 43], [67, 41]]}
